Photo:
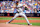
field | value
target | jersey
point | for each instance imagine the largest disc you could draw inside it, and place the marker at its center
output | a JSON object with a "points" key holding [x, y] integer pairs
{"points": [[19, 9]]}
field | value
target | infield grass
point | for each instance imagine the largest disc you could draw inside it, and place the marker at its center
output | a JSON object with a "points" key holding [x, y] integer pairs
{"points": [[9, 18], [36, 24]]}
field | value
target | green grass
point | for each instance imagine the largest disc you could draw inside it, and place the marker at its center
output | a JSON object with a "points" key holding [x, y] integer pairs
{"points": [[35, 24], [9, 18]]}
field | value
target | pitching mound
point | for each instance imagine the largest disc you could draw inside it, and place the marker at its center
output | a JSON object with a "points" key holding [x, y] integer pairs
{"points": [[15, 25]]}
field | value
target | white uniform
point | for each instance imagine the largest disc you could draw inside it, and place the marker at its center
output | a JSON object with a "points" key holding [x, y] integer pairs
{"points": [[21, 13]]}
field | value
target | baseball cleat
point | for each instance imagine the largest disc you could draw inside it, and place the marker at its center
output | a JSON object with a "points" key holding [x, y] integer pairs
{"points": [[29, 24]]}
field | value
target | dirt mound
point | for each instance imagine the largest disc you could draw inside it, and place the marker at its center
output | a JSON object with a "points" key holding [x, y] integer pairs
{"points": [[15, 25]]}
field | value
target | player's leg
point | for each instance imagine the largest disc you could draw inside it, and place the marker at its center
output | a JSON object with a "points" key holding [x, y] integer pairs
{"points": [[26, 19], [16, 15]]}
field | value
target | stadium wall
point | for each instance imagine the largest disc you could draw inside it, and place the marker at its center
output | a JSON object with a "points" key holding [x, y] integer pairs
{"points": [[27, 14]]}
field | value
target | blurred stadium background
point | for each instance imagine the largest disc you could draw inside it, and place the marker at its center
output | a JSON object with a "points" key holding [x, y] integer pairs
{"points": [[6, 11], [34, 5]]}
